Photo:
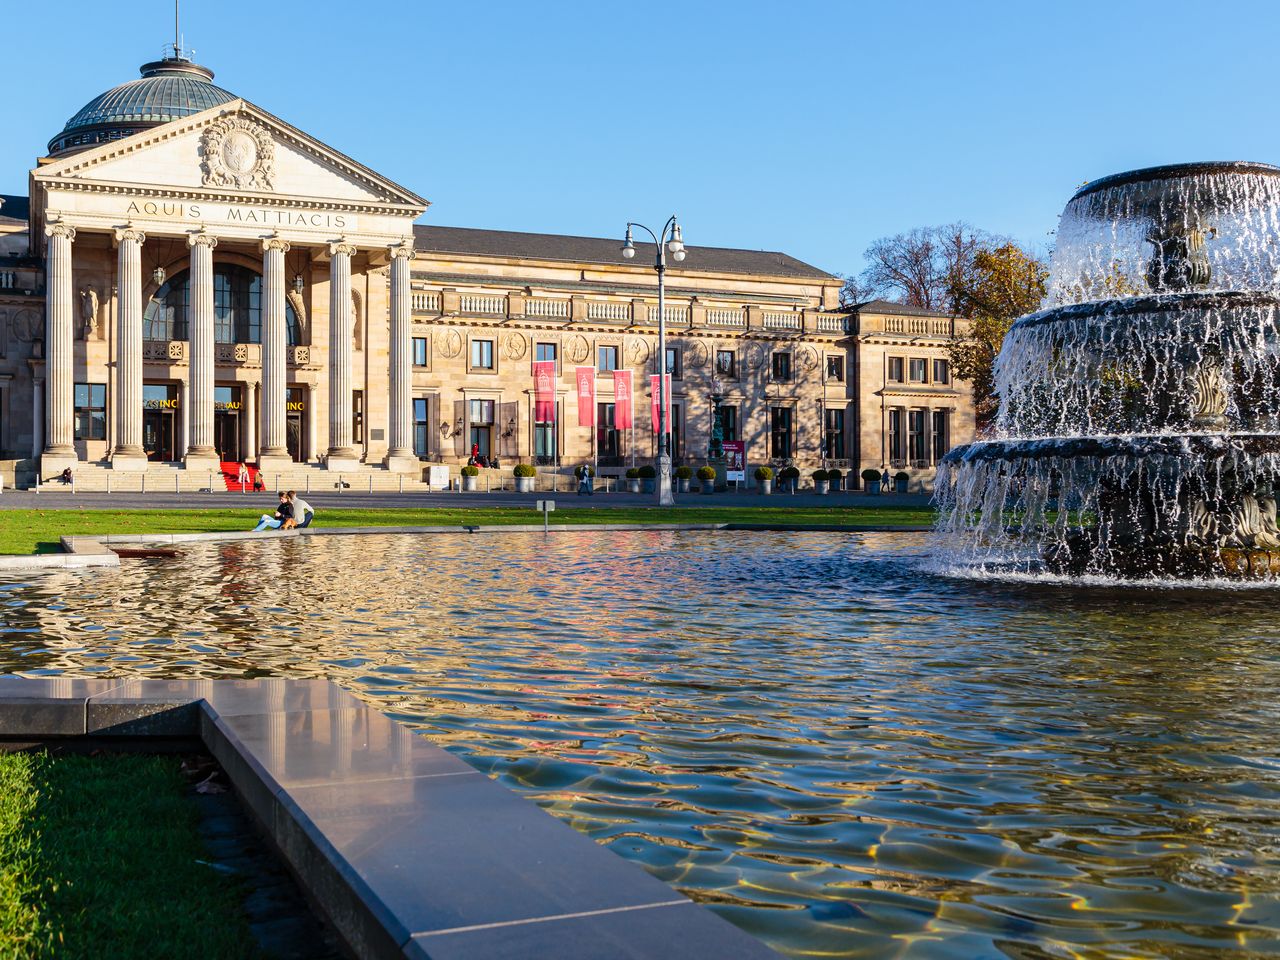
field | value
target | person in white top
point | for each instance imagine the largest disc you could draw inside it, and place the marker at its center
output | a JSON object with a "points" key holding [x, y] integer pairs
{"points": [[302, 511]]}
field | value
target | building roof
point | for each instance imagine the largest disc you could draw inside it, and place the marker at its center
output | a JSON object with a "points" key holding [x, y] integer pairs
{"points": [[15, 207], [168, 89], [897, 309], [550, 246]]}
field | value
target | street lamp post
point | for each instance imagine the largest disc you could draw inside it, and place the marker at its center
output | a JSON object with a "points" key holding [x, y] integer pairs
{"points": [[670, 241]]}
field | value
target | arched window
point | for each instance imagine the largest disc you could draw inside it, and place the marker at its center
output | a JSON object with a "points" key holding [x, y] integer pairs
{"points": [[237, 308]]}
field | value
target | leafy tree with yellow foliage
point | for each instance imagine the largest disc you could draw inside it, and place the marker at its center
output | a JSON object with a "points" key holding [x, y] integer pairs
{"points": [[1004, 283]]}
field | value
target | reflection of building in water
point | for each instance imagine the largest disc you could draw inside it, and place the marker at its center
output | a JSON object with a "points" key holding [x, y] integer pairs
{"points": [[192, 280]]}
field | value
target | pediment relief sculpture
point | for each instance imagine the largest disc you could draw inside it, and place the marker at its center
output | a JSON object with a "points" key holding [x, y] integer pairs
{"points": [[236, 152]]}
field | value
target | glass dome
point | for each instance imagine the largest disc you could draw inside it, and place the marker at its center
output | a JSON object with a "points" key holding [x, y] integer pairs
{"points": [[168, 89]]}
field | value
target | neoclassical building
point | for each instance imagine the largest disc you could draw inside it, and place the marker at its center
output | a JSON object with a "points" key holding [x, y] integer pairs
{"points": [[192, 282]]}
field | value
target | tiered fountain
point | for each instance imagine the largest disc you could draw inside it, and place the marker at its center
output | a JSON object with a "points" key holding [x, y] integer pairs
{"points": [[1139, 424]]}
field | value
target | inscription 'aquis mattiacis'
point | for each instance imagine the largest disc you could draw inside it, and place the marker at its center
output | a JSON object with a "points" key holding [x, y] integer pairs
{"points": [[255, 215]]}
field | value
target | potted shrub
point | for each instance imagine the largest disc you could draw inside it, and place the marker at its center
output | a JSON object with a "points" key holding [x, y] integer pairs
{"points": [[525, 475], [707, 477], [836, 479], [789, 478], [633, 479], [820, 482], [648, 478], [901, 480], [469, 474], [764, 480], [683, 476], [871, 480]]}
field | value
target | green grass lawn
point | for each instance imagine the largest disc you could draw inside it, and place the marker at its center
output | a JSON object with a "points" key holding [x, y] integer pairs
{"points": [[37, 531], [98, 858]]}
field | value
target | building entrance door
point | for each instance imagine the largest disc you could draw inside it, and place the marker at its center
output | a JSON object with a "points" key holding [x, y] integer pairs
{"points": [[226, 423], [295, 415], [159, 421]]}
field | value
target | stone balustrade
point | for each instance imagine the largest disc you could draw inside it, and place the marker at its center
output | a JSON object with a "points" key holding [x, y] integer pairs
{"points": [[547, 308], [726, 318]]}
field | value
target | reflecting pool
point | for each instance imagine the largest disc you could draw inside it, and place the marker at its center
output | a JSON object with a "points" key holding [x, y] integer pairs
{"points": [[842, 753]]}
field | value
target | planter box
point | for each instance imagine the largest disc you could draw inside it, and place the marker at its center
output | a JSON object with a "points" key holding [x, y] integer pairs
{"points": [[525, 484], [682, 484], [633, 486], [708, 487], [872, 487], [649, 486], [765, 487], [821, 486], [470, 483]]}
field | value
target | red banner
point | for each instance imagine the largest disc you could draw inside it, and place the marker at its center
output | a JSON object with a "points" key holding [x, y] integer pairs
{"points": [[586, 377], [544, 391], [622, 399], [653, 400]]}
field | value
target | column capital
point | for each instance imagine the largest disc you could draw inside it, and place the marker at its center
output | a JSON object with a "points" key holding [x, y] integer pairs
{"points": [[56, 228], [129, 232], [341, 246], [202, 239], [402, 249], [275, 242]]}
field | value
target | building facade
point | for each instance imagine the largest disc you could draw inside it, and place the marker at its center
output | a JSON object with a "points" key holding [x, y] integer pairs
{"points": [[192, 282]]}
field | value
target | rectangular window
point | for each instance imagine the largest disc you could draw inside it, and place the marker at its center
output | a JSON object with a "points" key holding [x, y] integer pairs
{"points": [[782, 368], [421, 418], [895, 370], [674, 363], [834, 438], [835, 368], [916, 437], [607, 359], [780, 431], [896, 450], [726, 364], [544, 351], [941, 434], [481, 412], [919, 369], [608, 438], [729, 421], [419, 351], [544, 439], [357, 416], [941, 371], [91, 411], [482, 354]]}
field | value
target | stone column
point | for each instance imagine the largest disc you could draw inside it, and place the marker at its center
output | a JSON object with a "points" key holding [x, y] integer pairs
{"points": [[341, 454], [400, 455], [200, 451], [128, 454], [275, 447], [59, 445]]}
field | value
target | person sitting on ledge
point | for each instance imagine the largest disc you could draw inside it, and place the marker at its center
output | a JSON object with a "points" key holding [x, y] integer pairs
{"points": [[303, 512], [283, 516], [65, 476]]}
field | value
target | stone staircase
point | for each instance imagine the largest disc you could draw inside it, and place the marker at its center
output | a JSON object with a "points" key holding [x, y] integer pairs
{"points": [[175, 478]]}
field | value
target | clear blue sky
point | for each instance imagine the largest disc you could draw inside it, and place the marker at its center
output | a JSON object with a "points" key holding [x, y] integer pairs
{"points": [[809, 127]]}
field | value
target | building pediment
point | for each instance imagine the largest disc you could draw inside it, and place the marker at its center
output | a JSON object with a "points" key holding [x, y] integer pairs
{"points": [[233, 154]]}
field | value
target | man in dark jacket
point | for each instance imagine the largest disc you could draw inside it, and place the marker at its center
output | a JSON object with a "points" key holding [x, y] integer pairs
{"points": [[284, 511]]}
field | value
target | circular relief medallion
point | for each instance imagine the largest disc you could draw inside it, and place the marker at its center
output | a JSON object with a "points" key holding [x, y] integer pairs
{"points": [[450, 343], [239, 152], [515, 346], [577, 348], [808, 358], [637, 351], [699, 355], [755, 356]]}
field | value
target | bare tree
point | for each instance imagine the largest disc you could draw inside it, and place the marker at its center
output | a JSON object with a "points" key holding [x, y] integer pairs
{"points": [[855, 291], [928, 267]]}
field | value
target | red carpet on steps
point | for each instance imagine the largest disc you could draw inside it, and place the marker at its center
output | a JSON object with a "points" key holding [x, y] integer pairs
{"points": [[232, 470]]}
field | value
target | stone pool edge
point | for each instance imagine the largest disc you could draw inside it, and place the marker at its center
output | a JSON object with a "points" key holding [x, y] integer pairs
{"points": [[406, 850], [93, 550]]}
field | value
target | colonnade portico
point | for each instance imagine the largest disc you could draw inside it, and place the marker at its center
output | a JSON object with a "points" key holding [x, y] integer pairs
{"points": [[263, 414]]}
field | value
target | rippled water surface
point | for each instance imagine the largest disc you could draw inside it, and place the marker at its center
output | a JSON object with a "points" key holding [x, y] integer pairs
{"points": [[840, 752]]}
